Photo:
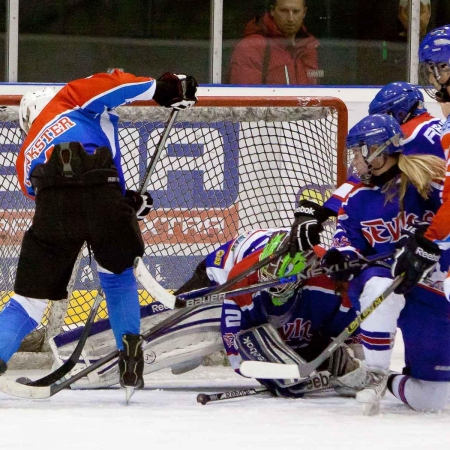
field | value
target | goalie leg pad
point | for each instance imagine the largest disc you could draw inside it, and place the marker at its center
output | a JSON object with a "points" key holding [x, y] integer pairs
{"points": [[182, 347], [263, 343]]}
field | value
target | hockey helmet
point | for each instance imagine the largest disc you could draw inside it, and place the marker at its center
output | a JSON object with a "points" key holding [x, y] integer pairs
{"points": [[434, 59], [373, 138], [399, 99], [31, 105], [283, 266]]}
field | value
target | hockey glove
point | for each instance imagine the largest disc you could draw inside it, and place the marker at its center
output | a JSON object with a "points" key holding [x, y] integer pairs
{"points": [[176, 91], [306, 228], [335, 259], [415, 260], [141, 203]]}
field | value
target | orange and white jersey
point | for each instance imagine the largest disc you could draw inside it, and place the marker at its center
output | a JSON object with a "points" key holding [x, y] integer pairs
{"points": [[82, 111]]}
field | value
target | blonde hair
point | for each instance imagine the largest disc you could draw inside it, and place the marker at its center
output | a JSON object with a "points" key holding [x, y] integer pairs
{"points": [[418, 170]]}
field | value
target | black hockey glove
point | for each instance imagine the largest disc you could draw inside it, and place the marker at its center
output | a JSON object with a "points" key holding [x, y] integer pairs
{"points": [[176, 91], [333, 257], [141, 203], [306, 227], [415, 260]]}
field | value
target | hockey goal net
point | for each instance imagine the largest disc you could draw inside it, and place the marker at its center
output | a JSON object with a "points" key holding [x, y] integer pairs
{"points": [[230, 164]]}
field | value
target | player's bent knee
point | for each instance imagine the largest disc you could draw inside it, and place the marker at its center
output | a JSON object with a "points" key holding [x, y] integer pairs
{"points": [[34, 307]]}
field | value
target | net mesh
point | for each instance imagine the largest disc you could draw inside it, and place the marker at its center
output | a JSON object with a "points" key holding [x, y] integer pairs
{"points": [[224, 170]]}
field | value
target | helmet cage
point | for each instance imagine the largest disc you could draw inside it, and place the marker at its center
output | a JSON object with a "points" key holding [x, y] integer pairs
{"points": [[284, 266], [434, 59], [375, 136]]}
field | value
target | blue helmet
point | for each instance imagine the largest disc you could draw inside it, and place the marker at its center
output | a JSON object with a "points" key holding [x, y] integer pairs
{"points": [[434, 58], [435, 46], [375, 136], [400, 99]]}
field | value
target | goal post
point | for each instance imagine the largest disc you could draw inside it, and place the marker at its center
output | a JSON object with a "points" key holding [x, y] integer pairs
{"points": [[230, 164]]}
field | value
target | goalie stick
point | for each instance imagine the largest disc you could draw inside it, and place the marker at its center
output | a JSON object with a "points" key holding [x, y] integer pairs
{"points": [[212, 294], [268, 370]]}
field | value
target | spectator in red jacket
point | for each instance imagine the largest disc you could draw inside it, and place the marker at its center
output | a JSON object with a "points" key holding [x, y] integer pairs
{"points": [[276, 49]]}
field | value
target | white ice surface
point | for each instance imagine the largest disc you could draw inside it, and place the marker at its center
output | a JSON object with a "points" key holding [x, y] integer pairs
{"points": [[166, 416]]}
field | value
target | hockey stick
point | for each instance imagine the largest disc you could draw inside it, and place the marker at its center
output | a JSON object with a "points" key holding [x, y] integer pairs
{"points": [[11, 387], [212, 294], [208, 398], [319, 382], [70, 363], [155, 157], [268, 370]]}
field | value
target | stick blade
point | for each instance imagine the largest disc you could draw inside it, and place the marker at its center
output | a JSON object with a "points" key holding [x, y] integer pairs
{"points": [[15, 389], [151, 285], [268, 370]]}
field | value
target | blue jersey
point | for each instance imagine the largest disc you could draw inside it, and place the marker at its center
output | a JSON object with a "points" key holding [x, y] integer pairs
{"points": [[421, 136], [312, 310]]}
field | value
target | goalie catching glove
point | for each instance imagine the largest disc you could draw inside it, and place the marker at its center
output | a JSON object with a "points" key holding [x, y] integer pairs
{"points": [[176, 91], [141, 203], [415, 260]]}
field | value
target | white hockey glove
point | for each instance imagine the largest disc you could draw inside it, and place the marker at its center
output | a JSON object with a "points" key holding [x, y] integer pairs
{"points": [[176, 91], [141, 203]]}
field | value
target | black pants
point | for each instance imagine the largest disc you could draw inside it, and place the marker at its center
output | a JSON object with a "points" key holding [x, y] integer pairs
{"points": [[65, 218]]}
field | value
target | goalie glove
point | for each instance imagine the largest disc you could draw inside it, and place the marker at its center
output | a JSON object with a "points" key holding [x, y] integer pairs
{"points": [[415, 260], [176, 91], [306, 227], [141, 203]]}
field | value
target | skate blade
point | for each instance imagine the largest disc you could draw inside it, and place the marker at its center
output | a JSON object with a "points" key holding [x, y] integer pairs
{"points": [[129, 391]]}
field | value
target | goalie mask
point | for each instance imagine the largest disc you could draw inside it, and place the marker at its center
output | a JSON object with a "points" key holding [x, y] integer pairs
{"points": [[370, 142], [31, 105], [400, 100], [434, 59], [284, 266]]}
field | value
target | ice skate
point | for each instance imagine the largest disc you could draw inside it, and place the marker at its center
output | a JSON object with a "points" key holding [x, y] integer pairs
{"points": [[375, 389], [131, 364]]}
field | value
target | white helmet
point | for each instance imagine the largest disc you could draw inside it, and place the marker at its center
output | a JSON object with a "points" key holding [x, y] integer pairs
{"points": [[31, 105]]}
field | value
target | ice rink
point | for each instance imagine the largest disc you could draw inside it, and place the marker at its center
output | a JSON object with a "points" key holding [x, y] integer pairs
{"points": [[166, 415]]}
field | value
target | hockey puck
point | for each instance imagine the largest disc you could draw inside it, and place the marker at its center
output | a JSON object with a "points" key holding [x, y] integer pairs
{"points": [[23, 380], [202, 398]]}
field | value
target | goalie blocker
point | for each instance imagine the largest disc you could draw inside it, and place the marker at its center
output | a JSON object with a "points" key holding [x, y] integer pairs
{"points": [[181, 348]]}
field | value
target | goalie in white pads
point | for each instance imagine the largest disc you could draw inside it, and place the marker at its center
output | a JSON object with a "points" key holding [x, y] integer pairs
{"points": [[289, 324]]}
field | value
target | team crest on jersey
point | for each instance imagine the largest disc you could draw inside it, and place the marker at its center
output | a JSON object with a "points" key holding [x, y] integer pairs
{"points": [[230, 340], [379, 231], [299, 329]]}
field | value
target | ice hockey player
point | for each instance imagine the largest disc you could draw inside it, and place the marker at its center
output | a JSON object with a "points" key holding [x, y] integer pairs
{"points": [[398, 195], [289, 323], [70, 164], [420, 251], [421, 135]]}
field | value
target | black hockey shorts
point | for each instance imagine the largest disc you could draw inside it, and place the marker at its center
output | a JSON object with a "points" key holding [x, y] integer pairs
{"points": [[65, 218]]}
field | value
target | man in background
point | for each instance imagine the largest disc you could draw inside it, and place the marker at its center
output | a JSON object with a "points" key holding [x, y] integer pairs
{"points": [[277, 48]]}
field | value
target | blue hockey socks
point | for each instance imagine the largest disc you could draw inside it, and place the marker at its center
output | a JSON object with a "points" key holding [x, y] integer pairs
{"points": [[123, 303], [15, 324]]}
